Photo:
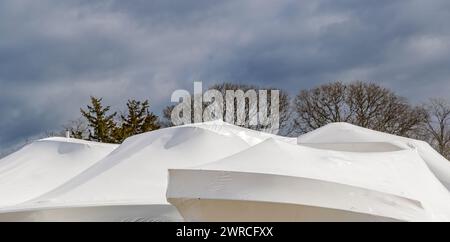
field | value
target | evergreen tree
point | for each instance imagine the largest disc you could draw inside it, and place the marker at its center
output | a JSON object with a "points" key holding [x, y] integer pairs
{"points": [[137, 120], [100, 122]]}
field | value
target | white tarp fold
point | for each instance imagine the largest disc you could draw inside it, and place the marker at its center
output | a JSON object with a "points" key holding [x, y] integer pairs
{"points": [[220, 172], [338, 133], [44, 165], [135, 174], [394, 185]]}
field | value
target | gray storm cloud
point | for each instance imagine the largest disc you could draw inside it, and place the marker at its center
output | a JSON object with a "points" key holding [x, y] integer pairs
{"points": [[54, 54]]}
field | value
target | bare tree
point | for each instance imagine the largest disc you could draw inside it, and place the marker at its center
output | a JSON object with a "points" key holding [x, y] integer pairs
{"points": [[284, 107], [320, 106], [285, 111], [363, 104], [438, 125], [78, 129]]}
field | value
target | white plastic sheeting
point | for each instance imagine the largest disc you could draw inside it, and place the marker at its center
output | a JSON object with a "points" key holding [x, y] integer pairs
{"points": [[220, 172], [277, 181], [44, 165], [100, 213], [344, 133], [134, 176]]}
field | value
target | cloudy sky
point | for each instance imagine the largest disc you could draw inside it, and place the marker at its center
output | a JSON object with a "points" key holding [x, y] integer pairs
{"points": [[54, 54]]}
